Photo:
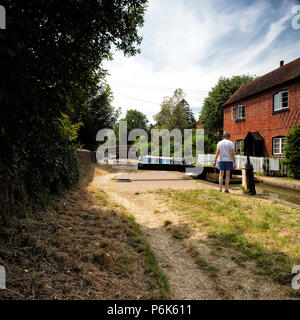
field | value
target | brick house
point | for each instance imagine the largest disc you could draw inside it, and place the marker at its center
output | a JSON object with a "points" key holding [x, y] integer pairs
{"points": [[260, 114]]}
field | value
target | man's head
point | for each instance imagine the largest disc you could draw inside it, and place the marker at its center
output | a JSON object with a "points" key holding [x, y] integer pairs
{"points": [[226, 135]]}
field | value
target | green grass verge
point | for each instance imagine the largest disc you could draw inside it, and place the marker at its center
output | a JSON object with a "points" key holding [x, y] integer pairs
{"points": [[258, 230]]}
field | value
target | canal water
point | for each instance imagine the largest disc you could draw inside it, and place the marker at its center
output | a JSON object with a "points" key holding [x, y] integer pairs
{"points": [[263, 189], [275, 192]]}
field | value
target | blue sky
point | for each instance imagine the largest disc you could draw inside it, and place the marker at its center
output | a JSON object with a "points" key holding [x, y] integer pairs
{"points": [[190, 44]]}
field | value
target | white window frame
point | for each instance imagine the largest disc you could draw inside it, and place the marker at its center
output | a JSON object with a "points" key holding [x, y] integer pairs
{"points": [[237, 144], [240, 113], [281, 144], [278, 101]]}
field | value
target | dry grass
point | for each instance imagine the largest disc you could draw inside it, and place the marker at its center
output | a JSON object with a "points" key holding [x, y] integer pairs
{"points": [[79, 249]]}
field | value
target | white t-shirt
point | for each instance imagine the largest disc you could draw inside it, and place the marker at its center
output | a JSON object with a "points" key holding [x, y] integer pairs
{"points": [[224, 147]]}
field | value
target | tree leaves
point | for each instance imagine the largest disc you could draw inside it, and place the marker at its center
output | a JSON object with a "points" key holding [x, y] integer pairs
{"points": [[50, 61], [211, 117], [175, 112], [292, 151]]}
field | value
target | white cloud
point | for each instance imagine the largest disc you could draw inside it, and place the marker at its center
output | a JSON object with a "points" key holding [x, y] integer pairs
{"points": [[190, 44]]}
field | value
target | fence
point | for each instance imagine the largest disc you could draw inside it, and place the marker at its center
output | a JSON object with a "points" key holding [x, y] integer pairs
{"points": [[257, 162]]}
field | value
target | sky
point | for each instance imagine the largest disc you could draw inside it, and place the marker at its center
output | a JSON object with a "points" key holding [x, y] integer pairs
{"points": [[190, 44]]}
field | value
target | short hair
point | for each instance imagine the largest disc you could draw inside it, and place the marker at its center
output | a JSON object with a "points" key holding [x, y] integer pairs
{"points": [[226, 134]]}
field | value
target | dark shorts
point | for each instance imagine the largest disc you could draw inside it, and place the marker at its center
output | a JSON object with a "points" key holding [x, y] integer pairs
{"points": [[225, 165]]}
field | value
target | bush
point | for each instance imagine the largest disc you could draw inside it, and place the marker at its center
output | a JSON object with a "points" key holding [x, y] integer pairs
{"points": [[292, 151], [210, 143], [47, 75], [33, 169]]}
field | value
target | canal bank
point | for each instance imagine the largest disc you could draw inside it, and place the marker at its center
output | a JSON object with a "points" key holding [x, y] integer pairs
{"points": [[278, 193], [279, 188], [280, 182], [283, 189]]}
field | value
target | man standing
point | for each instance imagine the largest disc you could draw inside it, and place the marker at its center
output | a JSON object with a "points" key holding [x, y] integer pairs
{"points": [[225, 150]]}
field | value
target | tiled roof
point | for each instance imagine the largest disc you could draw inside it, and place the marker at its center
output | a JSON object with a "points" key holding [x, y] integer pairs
{"points": [[277, 77]]}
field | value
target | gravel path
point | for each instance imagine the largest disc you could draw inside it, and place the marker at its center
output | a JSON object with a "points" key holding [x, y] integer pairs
{"points": [[186, 280]]}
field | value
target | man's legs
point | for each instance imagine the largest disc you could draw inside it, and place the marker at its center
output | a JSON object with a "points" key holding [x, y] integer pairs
{"points": [[221, 179], [227, 180]]}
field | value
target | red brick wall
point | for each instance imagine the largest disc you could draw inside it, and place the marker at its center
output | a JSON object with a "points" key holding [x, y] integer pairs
{"points": [[260, 117]]}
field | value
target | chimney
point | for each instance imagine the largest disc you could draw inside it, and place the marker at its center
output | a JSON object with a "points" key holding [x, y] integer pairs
{"points": [[281, 63]]}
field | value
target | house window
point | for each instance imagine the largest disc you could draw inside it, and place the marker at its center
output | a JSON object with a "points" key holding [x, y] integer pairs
{"points": [[281, 101], [278, 145], [240, 112], [239, 147]]}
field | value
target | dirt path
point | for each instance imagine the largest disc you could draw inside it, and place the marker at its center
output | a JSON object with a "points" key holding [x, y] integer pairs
{"points": [[187, 280]]}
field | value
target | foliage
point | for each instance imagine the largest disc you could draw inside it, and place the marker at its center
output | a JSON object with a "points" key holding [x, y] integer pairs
{"points": [[136, 120], [175, 113], [97, 114], [211, 117], [292, 151], [210, 143], [68, 130], [50, 62]]}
